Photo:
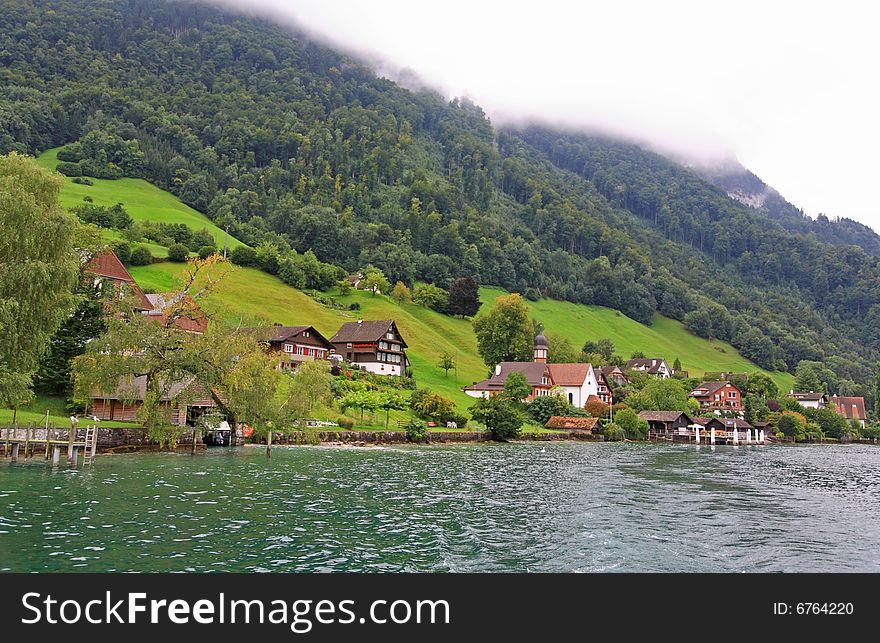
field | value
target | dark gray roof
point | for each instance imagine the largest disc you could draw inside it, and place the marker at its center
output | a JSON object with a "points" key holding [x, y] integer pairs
{"points": [[533, 371], [540, 340], [663, 416], [365, 331]]}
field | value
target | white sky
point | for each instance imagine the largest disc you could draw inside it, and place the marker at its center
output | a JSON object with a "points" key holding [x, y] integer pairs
{"points": [[789, 88]]}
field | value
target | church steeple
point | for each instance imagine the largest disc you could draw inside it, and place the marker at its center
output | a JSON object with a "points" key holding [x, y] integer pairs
{"points": [[541, 347]]}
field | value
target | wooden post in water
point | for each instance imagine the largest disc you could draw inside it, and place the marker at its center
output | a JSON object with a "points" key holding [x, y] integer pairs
{"points": [[27, 440], [70, 438], [15, 451], [46, 455], [56, 455], [269, 444]]}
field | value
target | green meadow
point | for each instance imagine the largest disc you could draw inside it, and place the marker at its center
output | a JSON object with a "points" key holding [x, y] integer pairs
{"points": [[143, 201], [664, 338]]}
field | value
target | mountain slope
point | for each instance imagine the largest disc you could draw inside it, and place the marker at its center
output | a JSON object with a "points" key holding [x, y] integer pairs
{"points": [[247, 296], [743, 186]]}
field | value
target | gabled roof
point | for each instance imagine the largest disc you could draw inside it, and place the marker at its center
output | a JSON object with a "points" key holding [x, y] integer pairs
{"points": [[279, 333], [807, 397], [853, 408], [663, 416], [365, 332], [651, 365], [710, 388], [108, 265], [569, 374], [534, 373], [573, 423]]}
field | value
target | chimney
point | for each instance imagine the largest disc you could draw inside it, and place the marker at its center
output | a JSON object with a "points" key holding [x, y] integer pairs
{"points": [[498, 369]]}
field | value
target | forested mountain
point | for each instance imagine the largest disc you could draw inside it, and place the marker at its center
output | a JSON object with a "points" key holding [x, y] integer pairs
{"points": [[747, 188], [293, 144]]}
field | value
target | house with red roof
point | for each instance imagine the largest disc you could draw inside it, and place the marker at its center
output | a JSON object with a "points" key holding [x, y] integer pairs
{"points": [[716, 397], [574, 382], [852, 408], [108, 271]]}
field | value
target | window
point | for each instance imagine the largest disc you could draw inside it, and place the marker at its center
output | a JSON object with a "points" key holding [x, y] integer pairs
{"points": [[348, 345], [395, 347], [389, 335], [305, 333], [731, 393], [717, 397], [288, 348]]}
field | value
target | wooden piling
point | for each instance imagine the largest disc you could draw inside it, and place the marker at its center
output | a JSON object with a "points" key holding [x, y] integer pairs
{"points": [[56, 455], [15, 451], [27, 440]]}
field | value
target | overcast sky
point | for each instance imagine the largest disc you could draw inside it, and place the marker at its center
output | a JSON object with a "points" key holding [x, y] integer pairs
{"points": [[789, 89]]}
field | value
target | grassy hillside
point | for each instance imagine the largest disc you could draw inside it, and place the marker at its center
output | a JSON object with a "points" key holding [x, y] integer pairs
{"points": [[247, 296], [665, 338], [143, 201]]}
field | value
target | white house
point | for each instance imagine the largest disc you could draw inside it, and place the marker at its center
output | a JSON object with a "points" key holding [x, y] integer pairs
{"points": [[652, 366], [575, 382], [810, 400]]}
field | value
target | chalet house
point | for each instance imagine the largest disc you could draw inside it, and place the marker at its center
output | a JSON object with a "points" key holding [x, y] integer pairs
{"points": [[185, 401], [666, 422], [374, 346], [356, 280], [651, 366], [810, 400], [192, 321], [575, 382], [107, 269], [585, 425], [718, 396], [293, 345], [608, 376], [537, 374], [852, 408]]}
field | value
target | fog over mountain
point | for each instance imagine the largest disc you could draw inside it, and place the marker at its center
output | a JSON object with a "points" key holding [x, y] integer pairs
{"points": [[784, 88]]}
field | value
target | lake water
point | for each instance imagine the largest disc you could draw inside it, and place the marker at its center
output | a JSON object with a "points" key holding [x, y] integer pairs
{"points": [[518, 507]]}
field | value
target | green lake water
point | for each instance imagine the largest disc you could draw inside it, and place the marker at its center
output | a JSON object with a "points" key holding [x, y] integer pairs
{"points": [[494, 508]]}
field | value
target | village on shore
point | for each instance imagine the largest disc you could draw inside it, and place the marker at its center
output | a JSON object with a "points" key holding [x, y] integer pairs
{"points": [[577, 400]]}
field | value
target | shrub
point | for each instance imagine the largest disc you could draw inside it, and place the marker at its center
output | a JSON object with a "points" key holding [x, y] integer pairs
{"points": [[122, 250], [634, 427], [178, 252], [354, 306], [416, 431], [81, 180], [345, 423], [206, 251], [69, 169], [613, 433], [141, 256], [243, 256]]}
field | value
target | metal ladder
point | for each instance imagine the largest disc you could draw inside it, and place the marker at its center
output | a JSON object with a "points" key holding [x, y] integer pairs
{"points": [[91, 441]]}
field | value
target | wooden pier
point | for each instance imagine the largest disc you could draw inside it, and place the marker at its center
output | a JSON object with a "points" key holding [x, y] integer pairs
{"points": [[22, 442]]}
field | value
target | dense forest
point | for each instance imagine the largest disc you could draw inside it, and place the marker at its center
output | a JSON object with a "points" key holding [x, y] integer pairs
{"points": [[293, 145], [744, 186]]}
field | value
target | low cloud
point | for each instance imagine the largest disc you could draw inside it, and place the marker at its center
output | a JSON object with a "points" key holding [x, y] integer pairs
{"points": [[785, 88]]}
